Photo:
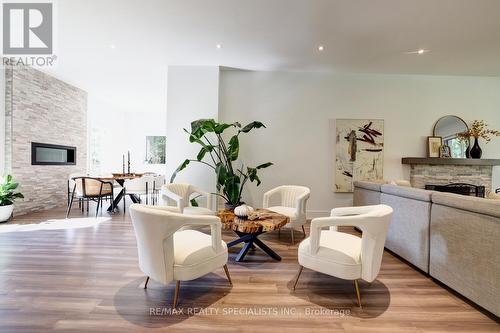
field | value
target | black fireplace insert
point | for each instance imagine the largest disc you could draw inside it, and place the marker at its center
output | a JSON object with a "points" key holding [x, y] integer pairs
{"points": [[459, 188], [49, 154]]}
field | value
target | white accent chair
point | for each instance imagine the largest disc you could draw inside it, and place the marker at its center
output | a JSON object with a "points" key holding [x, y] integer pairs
{"points": [[293, 204], [179, 196], [168, 254], [139, 186], [344, 255]]}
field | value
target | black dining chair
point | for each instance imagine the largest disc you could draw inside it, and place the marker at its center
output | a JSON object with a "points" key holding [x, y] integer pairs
{"points": [[91, 189]]}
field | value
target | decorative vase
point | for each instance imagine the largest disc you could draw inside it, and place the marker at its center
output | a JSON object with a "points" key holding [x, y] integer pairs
{"points": [[243, 211], [231, 207], [476, 151], [6, 212]]}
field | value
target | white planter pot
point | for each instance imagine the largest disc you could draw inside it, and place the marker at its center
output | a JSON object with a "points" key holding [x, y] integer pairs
{"points": [[6, 212]]}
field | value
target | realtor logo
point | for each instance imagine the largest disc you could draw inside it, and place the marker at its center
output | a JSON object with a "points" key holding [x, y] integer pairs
{"points": [[27, 28]]}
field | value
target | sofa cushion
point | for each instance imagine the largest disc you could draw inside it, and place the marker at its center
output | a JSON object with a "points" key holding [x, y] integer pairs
{"points": [[463, 202], [369, 185], [407, 192]]}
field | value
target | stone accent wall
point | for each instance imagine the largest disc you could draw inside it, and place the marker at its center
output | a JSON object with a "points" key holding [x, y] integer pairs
{"points": [[422, 174], [41, 108]]}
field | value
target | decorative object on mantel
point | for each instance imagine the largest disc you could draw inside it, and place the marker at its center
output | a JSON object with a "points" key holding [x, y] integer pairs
{"points": [[433, 145], [449, 129], [7, 197], [359, 152], [230, 179], [444, 151], [243, 211], [478, 129]]}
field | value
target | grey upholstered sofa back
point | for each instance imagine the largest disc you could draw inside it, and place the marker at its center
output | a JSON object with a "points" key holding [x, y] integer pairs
{"points": [[465, 247], [408, 234], [366, 193]]}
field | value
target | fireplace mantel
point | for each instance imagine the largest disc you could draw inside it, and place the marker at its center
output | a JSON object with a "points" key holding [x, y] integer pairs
{"points": [[443, 171], [449, 161]]}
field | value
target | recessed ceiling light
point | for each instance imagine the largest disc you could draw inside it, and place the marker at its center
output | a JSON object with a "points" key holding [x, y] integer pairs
{"points": [[112, 46], [321, 48], [219, 46], [419, 51]]}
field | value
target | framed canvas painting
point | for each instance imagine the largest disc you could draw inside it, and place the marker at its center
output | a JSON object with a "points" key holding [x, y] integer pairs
{"points": [[359, 153]]}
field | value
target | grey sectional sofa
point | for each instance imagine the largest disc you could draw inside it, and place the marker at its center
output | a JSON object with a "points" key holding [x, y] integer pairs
{"points": [[453, 238]]}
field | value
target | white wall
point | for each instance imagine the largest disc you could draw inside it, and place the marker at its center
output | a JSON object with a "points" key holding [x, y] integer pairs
{"points": [[192, 93], [116, 130], [2, 121], [299, 109]]}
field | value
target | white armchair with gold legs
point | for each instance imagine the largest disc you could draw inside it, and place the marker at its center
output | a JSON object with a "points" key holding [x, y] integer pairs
{"points": [[344, 255], [167, 254], [293, 200]]}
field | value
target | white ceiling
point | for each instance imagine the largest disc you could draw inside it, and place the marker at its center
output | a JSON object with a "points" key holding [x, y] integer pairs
{"points": [[360, 36]]}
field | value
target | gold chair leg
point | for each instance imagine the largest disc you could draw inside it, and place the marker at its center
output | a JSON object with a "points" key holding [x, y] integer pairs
{"points": [[146, 284], [176, 295], [298, 276], [227, 274], [358, 294]]}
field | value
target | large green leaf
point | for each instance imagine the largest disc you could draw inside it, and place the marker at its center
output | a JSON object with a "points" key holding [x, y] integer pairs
{"points": [[180, 168], [234, 148], [232, 189], [264, 165], [205, 149], [200, 127], [7, 194], [252, 125], [219, 128], [221, 172], [252, 175]]}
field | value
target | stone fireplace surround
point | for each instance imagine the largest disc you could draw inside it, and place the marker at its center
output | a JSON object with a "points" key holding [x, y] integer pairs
{"points": [[443, 171]]}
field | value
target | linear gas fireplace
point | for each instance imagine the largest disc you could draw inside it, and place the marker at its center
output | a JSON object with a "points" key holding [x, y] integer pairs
{"points": [[49, 154], [459, 188]]}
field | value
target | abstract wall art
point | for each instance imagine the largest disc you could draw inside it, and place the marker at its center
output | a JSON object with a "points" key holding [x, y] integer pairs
{"points": [[359, 152]]}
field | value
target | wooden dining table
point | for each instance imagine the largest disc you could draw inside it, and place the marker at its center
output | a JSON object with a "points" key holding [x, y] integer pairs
{"points": [[120, 178]]}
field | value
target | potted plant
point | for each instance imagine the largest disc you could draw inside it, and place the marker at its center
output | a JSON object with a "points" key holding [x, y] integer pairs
{"points": [[478, 129], [223, 155], [7, 197]]}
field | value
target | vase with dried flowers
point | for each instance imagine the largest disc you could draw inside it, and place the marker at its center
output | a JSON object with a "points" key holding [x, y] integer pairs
{"points": [[478, 129]]}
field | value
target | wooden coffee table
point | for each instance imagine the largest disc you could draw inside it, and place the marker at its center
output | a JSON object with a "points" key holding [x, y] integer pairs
{"points": [[249, 229]]}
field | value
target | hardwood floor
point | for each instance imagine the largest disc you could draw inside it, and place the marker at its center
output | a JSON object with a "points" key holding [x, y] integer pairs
{"points": [[81, 275]]}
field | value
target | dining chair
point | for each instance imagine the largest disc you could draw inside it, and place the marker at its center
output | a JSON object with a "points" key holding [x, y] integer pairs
{"points": [[71, 184], [168, 254], [344, 255], [159, 181], [142, 186], [180, 195], [91, 189], [293, 200]]}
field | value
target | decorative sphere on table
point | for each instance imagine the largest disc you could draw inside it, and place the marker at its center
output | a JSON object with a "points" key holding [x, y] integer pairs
{"points": [[243, 211]]}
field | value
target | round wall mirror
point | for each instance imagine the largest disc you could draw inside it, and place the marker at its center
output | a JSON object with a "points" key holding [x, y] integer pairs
{"points": [[448, 128]]}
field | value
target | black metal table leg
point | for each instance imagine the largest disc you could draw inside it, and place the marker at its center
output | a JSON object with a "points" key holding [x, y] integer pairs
{"points": [[244, 251], [116, 201], [135, 198], [266, 249], [244, 238], [250, 241]]}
